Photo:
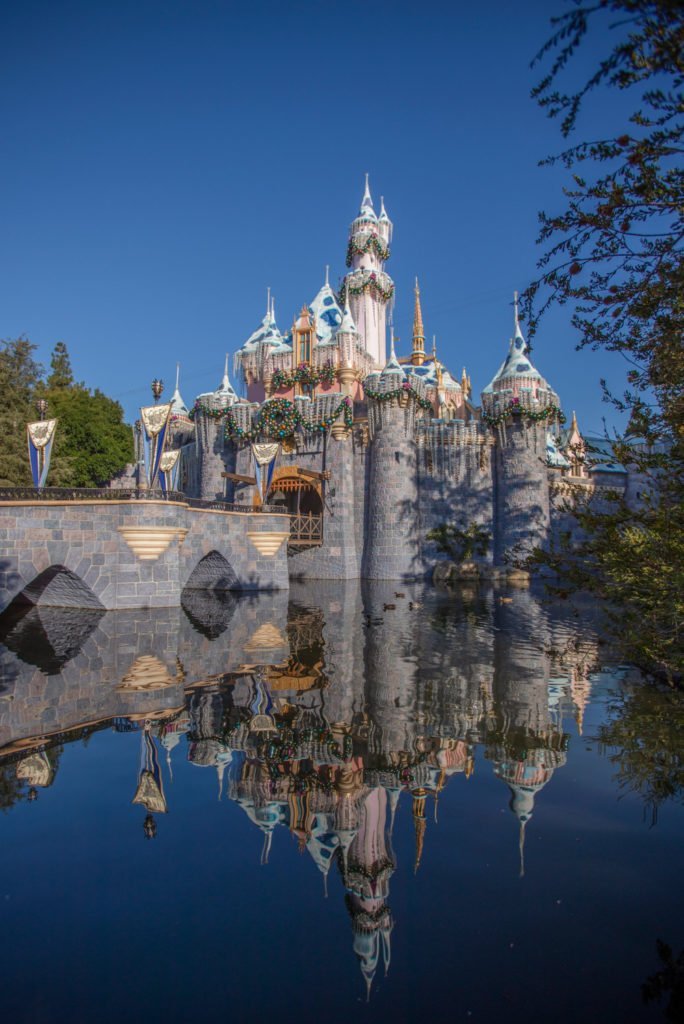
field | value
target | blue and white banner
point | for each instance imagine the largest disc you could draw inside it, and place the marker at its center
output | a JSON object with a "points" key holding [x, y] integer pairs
{"points": [[155, 421], [264, 455], [40, 436], [169, 465]]}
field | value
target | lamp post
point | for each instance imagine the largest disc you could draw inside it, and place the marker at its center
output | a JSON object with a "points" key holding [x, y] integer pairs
{"points": [[157, 388], [41, 406], [139, 460]]}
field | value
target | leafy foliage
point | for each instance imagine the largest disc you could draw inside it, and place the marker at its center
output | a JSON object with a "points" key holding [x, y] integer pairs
{"points": [[460, 543], [644, 736], [92, 442], [668, 980], [615, 255]]}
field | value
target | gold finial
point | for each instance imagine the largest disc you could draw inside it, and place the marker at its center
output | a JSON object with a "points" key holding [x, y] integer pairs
{"points": [[418, 353]]}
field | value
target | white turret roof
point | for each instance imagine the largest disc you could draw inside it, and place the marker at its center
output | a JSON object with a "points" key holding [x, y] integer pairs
{"points": [[327, 312], [367, 212], [428, 373], [225, 391], [517, 362], [266, 334], [383, 218], [347, 326], [393, 366], [178, 406]]}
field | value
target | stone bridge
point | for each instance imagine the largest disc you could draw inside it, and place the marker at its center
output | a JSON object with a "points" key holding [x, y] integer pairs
{"points": [[122, 553]]}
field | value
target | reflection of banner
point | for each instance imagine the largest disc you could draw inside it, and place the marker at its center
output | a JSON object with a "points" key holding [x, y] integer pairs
{"points": [[169, 465], [155, 421], [40, 437], [264, 455], [36, 769], [150, 791]]}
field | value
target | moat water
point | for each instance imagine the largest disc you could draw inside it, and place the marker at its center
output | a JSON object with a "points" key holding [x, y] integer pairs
{"points": [[371, 802]]}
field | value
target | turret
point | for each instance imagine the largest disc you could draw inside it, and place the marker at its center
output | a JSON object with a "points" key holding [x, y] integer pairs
{"points": [[392, 539], [370, 288], [520, 406], [215, 455], [347, 339]]}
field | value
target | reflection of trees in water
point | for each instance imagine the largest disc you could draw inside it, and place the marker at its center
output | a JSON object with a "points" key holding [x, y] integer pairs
{"points": [[669, 980], [644, 740]]}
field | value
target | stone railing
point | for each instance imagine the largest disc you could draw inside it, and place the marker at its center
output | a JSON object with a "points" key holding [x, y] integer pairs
{"points": [[37, 494], [87, 494]]}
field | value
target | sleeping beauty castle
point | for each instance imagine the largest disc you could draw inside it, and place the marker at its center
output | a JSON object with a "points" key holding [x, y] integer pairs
{"points": [[368, 450]]}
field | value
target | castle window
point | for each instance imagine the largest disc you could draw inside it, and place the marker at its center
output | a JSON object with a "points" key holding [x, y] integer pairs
{"points": [[304, 346]]}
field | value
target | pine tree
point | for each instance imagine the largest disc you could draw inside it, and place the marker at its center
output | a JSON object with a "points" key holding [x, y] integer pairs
{"points": [[20, 375], [61, 375]]}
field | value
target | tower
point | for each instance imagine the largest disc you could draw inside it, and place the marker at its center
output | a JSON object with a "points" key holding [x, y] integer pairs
{"points": [[214, 453], [370, 288], [392, 538], [520, 406]]}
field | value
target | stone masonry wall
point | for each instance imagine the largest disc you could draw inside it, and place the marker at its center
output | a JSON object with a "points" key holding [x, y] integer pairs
{"points": [[455, 485], [88, 554]]}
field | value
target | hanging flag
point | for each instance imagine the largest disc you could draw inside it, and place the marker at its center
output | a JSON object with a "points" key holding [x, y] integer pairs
{"points": [[155, 421], [168, 470], [40, 436], [264, 455]]}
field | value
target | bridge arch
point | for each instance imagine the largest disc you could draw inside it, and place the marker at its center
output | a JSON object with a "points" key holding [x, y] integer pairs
{"points": [[58, 587], [213, 572]]}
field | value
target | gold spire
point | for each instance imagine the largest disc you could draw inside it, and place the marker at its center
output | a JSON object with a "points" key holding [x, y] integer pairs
{"points": [[466, 386], [419, 823], [418, 353]]}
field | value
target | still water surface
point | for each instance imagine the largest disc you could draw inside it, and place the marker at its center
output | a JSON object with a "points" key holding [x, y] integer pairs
{"points": [[342, 802]]}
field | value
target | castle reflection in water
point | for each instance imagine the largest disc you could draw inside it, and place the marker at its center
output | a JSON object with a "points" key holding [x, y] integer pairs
{"points": [[318, 710]]}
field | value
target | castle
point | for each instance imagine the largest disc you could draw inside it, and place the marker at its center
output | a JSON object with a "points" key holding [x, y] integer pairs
{"points": [[369, 452]]}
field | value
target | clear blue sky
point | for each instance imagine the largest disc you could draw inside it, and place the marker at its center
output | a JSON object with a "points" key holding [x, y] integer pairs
{"points": [[162, 163]]}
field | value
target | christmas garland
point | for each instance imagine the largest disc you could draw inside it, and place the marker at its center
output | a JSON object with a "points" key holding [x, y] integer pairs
{"points": [[387, 396], [304, 374], [515, 409], [277, 418], [370, 281], [357, 247]]}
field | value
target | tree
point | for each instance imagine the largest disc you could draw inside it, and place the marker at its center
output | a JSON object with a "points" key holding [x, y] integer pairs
{"points": [[61, 375], [20, 375], [615, 254], [92, 442], [459, 542]]}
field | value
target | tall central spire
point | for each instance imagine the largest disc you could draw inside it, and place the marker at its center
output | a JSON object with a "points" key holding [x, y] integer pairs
{"points": [[371, 289], [418, 353]]}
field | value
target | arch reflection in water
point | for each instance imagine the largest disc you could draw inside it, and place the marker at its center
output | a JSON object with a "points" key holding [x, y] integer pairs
{"points": [[318, 718]]}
